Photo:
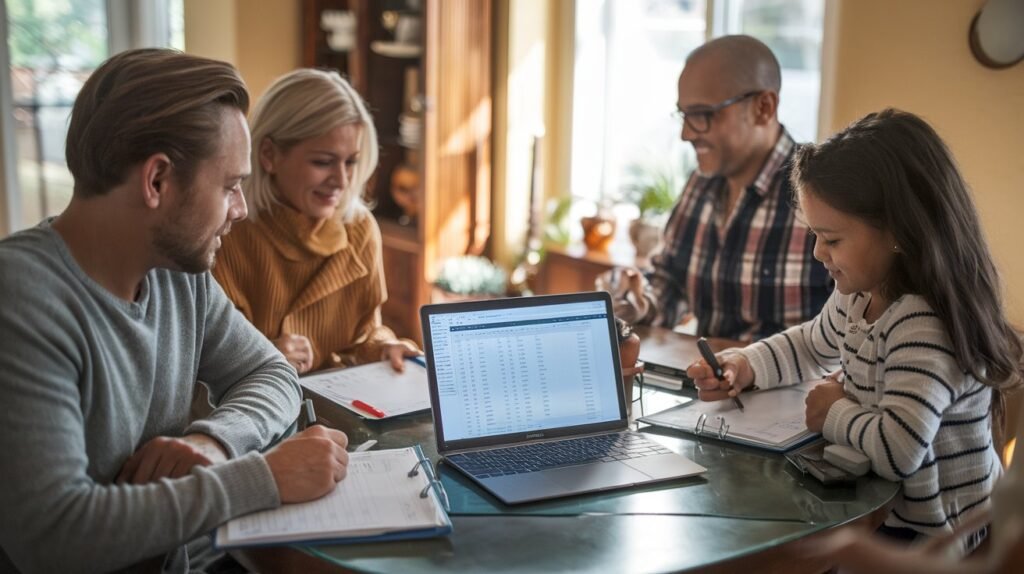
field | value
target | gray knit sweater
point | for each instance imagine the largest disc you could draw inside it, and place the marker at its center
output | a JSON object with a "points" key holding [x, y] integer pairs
{"points": [[86, 378], [910, 408]]}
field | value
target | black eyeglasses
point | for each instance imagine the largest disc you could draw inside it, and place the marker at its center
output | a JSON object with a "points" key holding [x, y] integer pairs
{"points": [[699, 119]]}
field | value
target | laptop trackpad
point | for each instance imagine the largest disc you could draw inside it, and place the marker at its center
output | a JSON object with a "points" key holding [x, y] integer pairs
{"points": [[559, 482], [518, 488], [600, 476]]}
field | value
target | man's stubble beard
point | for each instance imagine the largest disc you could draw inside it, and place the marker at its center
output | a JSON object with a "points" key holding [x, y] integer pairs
{"points": [[174, 239]]}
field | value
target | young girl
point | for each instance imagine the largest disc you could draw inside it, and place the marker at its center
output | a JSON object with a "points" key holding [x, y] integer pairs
{"points": [[915, 328]]}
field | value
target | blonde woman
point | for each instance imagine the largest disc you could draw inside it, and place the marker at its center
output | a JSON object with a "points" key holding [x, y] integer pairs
{"points": [[306, 266]]}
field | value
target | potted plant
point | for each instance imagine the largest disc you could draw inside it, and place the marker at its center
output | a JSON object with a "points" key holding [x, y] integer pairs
{"points": [[468, 277], [654, 190]]}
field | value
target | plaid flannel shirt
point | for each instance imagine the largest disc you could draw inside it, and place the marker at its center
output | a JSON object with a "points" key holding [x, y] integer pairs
{"points": [[749, 279]]}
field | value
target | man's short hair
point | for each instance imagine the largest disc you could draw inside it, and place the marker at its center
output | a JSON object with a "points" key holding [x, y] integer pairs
{"points": [[144, 102], [745, 61]]}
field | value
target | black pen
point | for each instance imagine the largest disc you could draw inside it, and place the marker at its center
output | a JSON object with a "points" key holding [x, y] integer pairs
{"points": [[310, 413], [709, 356]]}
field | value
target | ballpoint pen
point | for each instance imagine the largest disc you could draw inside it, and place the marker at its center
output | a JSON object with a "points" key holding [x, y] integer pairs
{"points": [[310, 413], [709, 356]]}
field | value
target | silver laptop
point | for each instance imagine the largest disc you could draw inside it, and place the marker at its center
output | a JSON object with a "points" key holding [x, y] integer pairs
{"points": [[528, 401]]}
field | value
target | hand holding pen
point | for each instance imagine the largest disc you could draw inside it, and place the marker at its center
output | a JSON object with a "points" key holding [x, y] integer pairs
{"points": [[717, 381]]}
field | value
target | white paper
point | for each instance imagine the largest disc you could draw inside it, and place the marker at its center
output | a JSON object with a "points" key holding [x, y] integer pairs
{"points": [[377, 496], [774, 417], [376, 384]]}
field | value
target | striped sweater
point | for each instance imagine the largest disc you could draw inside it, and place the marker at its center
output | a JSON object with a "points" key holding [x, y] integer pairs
{"points": [[910, 408]]}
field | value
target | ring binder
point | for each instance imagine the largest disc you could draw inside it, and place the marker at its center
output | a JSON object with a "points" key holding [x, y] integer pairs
{"points": [[416, 467], [773, 419], [702, 421], [723, 429], [382, 504], [432, 482], [698, 429]]}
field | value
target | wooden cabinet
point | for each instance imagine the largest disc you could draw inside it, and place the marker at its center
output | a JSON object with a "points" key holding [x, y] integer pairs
{"points": [[424, 68], [571, 268]]}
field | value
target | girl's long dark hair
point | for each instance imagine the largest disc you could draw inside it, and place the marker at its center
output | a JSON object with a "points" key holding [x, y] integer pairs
{"points": [[892, 170]]}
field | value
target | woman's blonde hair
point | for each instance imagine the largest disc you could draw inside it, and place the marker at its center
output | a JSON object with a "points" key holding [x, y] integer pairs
{"points": [[305, 104]]}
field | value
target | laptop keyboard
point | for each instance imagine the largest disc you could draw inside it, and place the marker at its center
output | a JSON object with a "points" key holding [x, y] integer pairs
{"points": [[545, 455]]}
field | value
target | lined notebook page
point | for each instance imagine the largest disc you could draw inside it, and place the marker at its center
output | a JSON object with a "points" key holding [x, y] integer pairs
{"points": [[773, 417], [376, 497], [374, 383]]}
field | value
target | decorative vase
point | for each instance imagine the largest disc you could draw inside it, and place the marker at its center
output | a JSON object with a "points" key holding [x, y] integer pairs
{"points": [[598, 232], [405, 191], [646, 237]]}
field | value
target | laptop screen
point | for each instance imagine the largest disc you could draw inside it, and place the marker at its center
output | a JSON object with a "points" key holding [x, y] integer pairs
{"points": [[518, 366]]}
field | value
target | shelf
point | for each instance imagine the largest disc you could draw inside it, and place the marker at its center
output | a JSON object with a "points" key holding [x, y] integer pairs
{"points": [[454, 56], [396, 50]]}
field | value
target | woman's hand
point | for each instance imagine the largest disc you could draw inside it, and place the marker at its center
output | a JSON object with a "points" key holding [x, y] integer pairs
{"points": [[738, 376], [396, 352], [820, 400], [297, 350]]}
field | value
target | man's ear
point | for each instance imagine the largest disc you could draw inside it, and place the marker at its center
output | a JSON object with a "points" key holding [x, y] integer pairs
{"points": [[268, 155], [156, 179], [766, 106]]}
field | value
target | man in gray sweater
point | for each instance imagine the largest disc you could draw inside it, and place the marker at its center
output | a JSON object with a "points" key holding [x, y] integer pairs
{"points": [[109, 317]]}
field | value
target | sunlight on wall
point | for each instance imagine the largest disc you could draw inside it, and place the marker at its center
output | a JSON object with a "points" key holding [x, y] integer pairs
{"points": [[519, 116], [924, 65]]}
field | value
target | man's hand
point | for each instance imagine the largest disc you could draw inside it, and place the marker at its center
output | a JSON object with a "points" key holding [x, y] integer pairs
{"points": [[626, 286], [170, 457], [308, 465], [297, 350], [396, 352], [819, 401], [736, 370]]}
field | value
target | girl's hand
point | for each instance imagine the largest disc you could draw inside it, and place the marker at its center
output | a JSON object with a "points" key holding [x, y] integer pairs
{"points": [[297, 350], [396, 352], [738, 376], [819, 401]]}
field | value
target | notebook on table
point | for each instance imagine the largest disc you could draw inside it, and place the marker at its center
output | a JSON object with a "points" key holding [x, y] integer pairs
{"points": [[528, 400], [387, 495], [375, 390], [772, 419]]}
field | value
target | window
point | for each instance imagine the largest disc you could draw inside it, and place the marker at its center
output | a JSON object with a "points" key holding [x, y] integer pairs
{"points": [[628, 57], [793, 30], [52, 47]]}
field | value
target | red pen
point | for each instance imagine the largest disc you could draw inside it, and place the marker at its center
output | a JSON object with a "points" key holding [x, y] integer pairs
{"points": [[368, 408]]}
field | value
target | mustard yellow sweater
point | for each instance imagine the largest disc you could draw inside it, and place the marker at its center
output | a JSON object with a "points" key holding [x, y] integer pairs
{"points": [[325, 281]]}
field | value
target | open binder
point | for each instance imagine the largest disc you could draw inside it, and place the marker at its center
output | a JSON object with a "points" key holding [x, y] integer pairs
{"points": [[772, 419], [387, 495]]}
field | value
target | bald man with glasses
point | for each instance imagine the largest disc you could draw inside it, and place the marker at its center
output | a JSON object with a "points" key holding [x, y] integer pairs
{"points": [[736, 255]]}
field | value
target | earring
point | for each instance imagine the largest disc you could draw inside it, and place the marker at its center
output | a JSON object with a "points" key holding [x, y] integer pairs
{"points": [[895, 248]]}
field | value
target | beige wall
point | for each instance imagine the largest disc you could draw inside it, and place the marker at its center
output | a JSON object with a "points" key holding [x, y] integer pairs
{"points": [[269, 42], [263, 43], [210, 29], [913, 54]]}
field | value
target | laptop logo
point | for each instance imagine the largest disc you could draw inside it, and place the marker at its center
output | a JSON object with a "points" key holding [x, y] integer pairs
{"points": [[535, 435]]}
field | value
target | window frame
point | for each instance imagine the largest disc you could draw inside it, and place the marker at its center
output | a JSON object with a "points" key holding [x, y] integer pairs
{"points": [[716, 19], [130, 24]]}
